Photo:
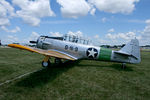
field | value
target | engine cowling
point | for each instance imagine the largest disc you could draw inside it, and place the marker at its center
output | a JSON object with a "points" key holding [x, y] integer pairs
{"points": [[40, 42]]}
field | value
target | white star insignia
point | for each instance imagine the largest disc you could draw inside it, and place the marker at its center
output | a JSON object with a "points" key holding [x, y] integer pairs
{"points": [[92, 53]]}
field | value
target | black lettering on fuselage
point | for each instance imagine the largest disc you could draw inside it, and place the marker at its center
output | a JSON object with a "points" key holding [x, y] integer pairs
{"points": [[71, 48]]}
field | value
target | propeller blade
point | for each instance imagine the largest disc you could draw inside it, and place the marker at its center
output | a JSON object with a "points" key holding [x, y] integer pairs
{"points": [[33, 41]]}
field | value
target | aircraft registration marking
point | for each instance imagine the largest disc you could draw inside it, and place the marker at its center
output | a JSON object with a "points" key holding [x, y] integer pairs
{"points": [[71, 48]]}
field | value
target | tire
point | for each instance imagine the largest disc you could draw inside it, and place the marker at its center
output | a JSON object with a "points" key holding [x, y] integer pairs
{"points": [[46, 64]]}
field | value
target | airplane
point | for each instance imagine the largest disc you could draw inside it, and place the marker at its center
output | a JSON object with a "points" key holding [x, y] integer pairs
{"points": [[70, 47]]}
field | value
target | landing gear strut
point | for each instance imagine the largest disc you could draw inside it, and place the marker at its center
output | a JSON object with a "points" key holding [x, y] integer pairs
{"points": [[46, 62], [123, 65]]}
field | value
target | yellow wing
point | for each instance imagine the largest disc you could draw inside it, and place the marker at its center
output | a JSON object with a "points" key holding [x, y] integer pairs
{"points": [[51, 53]]}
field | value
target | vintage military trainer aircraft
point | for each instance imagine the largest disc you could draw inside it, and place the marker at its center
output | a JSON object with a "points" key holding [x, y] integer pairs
{"points": [[71, 47]]}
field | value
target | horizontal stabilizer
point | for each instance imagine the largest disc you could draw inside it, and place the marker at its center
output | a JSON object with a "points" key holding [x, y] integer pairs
{"points": [[122, 53], [125, 54]]}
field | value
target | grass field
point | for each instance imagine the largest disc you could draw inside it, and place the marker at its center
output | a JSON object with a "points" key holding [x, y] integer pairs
{"points": [[81, 80]]}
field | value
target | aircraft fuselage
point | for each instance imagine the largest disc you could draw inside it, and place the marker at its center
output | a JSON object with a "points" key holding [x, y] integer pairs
{"points": [[83, 51]]}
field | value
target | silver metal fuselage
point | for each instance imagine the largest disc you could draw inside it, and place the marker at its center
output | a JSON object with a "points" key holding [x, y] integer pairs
{"points": [[82, 51], [74, 49]]}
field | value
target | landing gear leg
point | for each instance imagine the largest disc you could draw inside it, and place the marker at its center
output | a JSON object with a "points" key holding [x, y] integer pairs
{"points": [[46, 62], [123, 65]]}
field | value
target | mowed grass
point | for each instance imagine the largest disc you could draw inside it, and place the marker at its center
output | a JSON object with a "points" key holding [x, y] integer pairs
{"points": [[80, 80]]}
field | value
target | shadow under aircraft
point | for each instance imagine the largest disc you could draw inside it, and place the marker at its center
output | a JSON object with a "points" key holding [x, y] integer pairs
{"points": [[45, 75]]}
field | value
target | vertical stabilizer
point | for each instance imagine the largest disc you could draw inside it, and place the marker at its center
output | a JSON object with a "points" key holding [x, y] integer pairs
{"points": [[132, 48]]}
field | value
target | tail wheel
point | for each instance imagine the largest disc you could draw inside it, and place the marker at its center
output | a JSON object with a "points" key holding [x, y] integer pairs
{"points": [[58, 61], [46, 63]]}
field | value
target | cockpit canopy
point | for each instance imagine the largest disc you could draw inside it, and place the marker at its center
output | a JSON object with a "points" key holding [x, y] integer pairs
{"points": [[57, 38], [75, 39], [69, 38]]}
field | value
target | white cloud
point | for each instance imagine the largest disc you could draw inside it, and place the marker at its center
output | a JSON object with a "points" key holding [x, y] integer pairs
{"points": [[74, 8], [78, 8], [96, 40], [143, 36], [145, 39], [4, 21], [56, 34], [102, 42], [6, 11], [77, 33], [96, 36], [104, 19], [33, 37], [31, 11], [10, 39], [33, 21], [124, 36], [111, 30], [120, 38], [147, 21], [136, 21], [115, 6], [17, 29], [60, 22], [92, 12]]}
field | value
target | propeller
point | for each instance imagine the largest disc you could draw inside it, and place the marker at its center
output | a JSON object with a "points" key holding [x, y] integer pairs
{"points": [[33, 42]]}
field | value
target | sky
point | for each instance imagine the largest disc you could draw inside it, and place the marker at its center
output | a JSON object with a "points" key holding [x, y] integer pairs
{"points": [[111, 22]]}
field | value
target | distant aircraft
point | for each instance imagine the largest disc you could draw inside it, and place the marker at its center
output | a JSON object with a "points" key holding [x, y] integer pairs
{"points": [[74, 48]]}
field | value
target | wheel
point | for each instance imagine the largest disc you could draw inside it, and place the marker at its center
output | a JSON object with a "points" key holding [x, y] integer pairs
{"points": [[46, 64], [58, 61]]}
